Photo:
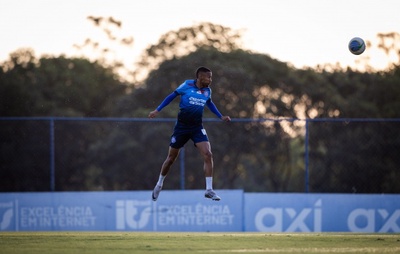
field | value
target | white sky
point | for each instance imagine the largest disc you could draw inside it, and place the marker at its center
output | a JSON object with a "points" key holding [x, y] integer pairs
{"points": [[302, 32]]}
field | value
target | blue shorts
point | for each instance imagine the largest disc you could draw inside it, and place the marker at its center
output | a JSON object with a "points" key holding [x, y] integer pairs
{"points": [[182, 134]]}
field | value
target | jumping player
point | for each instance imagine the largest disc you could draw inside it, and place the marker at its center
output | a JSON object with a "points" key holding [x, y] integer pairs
{"points": [[195, 94]]}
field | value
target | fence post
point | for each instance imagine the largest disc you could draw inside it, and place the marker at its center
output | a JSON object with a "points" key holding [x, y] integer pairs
{"points": [[306, 158], [182, 167], [52, 156]]}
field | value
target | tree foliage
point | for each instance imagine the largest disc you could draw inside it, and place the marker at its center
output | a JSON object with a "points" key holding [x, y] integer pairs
{"points": [[265, 155], [185, 41], [56, 86]]}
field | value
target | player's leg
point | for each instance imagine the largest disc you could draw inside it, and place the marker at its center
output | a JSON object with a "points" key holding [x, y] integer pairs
{"points": [[201, 142], [166, 166], [178, 140], [205, 151], [171, 158]]}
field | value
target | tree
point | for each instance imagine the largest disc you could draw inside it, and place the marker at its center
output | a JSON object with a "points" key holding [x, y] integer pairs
{"points": [[238, 85], [266, 154], [252, 85], [175, 44], [51, 86], [389, 43], [103, 49]]}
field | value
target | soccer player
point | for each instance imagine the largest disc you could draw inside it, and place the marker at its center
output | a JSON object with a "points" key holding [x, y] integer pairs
{"points": [[195, 94]]}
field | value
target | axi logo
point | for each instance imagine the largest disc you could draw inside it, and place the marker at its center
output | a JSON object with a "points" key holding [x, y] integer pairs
{"points": [[270, 219], [132, 214], [365, 220], [6, 215]]}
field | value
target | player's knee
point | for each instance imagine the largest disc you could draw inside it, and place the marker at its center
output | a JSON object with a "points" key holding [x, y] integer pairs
{"points": [[208, 155]]}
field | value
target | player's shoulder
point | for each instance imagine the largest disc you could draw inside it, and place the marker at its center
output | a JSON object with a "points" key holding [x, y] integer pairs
{"points": [[189, 83]]}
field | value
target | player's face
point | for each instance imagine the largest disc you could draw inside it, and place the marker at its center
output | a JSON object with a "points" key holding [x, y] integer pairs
{"points": [[205, 78]]}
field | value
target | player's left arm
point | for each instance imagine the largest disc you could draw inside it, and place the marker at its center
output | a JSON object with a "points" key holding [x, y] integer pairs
{"points": [[210, 104], [163, 104]]}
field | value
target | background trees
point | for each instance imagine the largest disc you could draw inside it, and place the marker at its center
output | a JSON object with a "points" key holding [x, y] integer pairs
{"points": [[256, 156], [50, 87]]}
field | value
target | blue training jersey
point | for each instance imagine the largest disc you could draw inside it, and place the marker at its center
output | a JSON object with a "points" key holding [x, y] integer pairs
{"points": [[193, 100]]}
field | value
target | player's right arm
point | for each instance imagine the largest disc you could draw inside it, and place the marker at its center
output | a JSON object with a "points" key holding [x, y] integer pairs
{"points": [[163, 104]]}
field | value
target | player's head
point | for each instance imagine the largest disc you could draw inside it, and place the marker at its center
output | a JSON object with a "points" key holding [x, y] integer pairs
{"points": [[203, 76], [202, 69]]}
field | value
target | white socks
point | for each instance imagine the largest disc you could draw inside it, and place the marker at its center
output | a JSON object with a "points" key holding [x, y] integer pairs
{"points": [[161, 180], [209, 183]]}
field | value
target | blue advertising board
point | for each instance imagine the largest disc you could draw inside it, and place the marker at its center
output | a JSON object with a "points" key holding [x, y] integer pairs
{"points": [[121, 211], [189, 211], [322, 212]]}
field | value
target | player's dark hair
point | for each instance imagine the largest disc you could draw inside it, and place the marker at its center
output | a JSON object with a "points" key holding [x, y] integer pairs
{"points": [[202, 69]]}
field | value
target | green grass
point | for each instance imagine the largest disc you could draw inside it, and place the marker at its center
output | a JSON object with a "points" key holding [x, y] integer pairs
{"points": [[174, 243]]}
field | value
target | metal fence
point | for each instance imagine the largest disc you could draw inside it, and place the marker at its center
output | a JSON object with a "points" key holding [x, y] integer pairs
{"points": [[276, 155]]}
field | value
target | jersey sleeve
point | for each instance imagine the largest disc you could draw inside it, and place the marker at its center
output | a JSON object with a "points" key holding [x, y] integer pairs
{"points": [[210, 104], [167, 100]]}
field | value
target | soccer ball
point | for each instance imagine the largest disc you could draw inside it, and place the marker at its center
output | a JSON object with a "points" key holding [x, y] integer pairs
{"points": [[357, 46]]}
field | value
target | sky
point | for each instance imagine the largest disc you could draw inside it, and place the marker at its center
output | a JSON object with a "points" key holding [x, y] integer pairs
{"points": [[301, 32]]}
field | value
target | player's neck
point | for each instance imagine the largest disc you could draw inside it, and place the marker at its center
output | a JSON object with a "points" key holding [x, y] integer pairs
{"points": [[198, 84]]}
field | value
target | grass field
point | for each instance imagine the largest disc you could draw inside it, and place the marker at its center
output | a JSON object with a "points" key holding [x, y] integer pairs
{"points": [[174, 243]]}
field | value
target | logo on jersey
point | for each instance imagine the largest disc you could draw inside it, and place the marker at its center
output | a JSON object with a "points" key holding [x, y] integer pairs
{"points": [[197, 101]]}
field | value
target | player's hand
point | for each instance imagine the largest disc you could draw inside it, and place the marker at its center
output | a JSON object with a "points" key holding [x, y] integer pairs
{"points": [[153, 114], [226, 118]]}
